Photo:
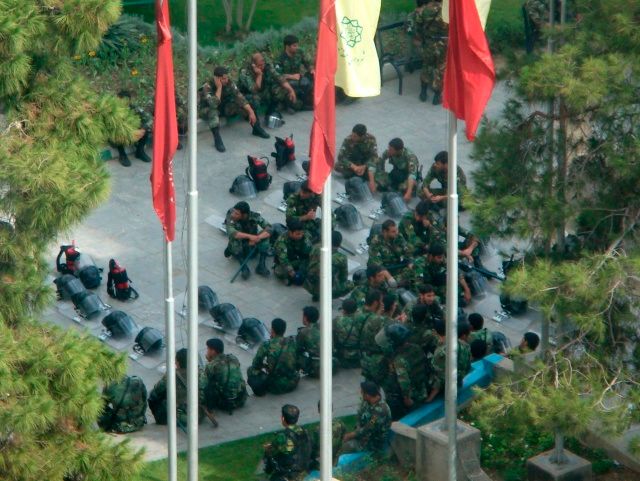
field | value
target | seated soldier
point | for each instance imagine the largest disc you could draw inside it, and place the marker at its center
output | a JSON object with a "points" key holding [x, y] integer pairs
{"points": [[294, 66], [420, 230], [303, 206], [158, 395], [143, 133], [125, 406], [359, 151], [439, 171], [308, 343], [529, 343], [288, 456], [478, 349], [347, 330], [391, 307], [402, 177], [224, 386], [338, 430], [292, 253], [275, 368], [372, 425], [427, 298], [372, 359], [478, 331], [422, 332], [340, 284], [390, 250], [264, 87], [221, 98], [247, 231], [378, 279]]}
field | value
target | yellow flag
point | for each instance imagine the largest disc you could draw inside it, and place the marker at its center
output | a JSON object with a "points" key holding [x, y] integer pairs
{"points": [[358, 68], [481, 5]]}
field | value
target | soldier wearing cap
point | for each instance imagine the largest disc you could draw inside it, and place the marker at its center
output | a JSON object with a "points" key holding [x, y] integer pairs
{"points": [[373, 422]]}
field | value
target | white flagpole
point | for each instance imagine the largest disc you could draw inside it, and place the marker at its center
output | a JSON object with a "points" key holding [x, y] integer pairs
{"points": [[170, 329], [192, 251], [326, 341], [452, 300]]}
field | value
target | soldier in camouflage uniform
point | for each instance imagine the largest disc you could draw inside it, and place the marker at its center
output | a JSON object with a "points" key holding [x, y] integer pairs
{"points": [[340, 285], [296, 68], [359, 151], [431, 32], [146, 123], [287, 457], [158, 395], [439, 171], [438, 361], [373, 425], [405, 385], [422, 317], [378, 279], [247, 230], [420, 230], [373, 361], [264, 87], [276, 361], [221, 97], [347, 331], [308, 343], [338, 430], [303, 206], [224, 386], [402, 177], [125, 406], [478, 331], [292, 253], [390, 250]]}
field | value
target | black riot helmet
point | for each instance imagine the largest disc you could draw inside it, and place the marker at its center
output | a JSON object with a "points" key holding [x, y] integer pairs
{"points": [[119, 324], [277, 230], [88, 304], [252, 331], [360, 276], [227, 315], [394, 205], [376, 229], [207, 299], [68, 285], [243, 187], [291, 187], [150, 339], [397, 334], [357, 190], [348, 217], [406, 296]]}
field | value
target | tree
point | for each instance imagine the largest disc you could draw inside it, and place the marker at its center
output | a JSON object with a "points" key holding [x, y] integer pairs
{"points": [[50, 178], [240, 23]]}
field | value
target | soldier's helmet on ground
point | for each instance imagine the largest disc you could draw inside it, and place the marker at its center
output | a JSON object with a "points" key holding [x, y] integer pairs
{"points": [[243, 187], [348, 217], [253, 331], [360, 276], [207, 299], [291, 187], [120, 324], [357, 190], [394, 205], [277, 230], [227, 315], [149, 339], [376, 229]]}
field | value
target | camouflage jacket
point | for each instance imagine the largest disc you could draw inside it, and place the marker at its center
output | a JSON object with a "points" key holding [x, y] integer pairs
{"points": [[359, 294], [308, 349], [289, 453], [373, 324], [388, 253], [299, 63], [159, 391], [125, 405], [406, 162], [230, 94], [359, 152], [425, 272], [290, 253], [277, 357], [347, 331], [339, 266], [223, 378], [338, 430], [408, 373], [538, 11], [247, 80], [441, 177], [485, 335], [428, 24], [438, 364], [374, 422], [434, 311], [419, 236], [146, 119], [253, 225], [297, 206]]}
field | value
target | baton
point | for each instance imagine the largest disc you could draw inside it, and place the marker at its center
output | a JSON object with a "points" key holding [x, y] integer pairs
{"points": [[244, 263]]}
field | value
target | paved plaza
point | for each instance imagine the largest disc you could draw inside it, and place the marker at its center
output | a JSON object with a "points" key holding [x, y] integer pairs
{"points": [[127, 229]]}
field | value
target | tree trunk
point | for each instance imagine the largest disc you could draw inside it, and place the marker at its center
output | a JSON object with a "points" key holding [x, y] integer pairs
{"points": [[247, 26], [227, 5], [239, 13], [558, 456]]}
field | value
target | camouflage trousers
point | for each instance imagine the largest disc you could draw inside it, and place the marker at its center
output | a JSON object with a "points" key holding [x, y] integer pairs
{"points": [[159, 411], [312, 285], [385, 184], [241, 247], [433, 62], [219, 109], [227, 403], [270, 99], [282, 271], [108, 423], [347, 173], [278, 384]]}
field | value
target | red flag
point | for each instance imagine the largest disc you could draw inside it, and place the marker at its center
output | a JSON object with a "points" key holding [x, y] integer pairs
{"points": [[469, 75], [165, 127], [323, 131]]}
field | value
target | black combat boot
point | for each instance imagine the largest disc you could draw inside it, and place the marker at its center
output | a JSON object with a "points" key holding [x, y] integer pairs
{"points": [[423, 92], [217, 140], [123, 157], [258, 131], [140, 153], [437, 97], [261, 268]]}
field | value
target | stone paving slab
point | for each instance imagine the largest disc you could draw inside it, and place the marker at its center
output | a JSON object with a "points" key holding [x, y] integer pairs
{"points": [[126, 228]]}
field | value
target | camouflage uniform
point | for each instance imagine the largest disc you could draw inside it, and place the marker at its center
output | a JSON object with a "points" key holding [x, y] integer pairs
{"points": [[373, 360], [359, 293], [338, 430], [442, 177], [298, 63], [291, 255], [340, 285], [287, 457], [253, 225], [392, 254], [347, 332], [277, 357], [158, 399], [438, 362], [308, 349], [297, 207], [419, 237], [407, 378], [271, 93], [432, 32], [358, 152], [125, 406], [425, 272], [374, 423], [485, 335], [230, 103], [225, 387], [404, 167]]}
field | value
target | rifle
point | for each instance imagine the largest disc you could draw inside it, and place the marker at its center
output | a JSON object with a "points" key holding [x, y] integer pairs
{"points": [[347, 250], [466, 267], [243, 263]]}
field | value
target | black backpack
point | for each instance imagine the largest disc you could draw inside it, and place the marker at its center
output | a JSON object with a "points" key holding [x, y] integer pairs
{"points": [[257, 172], [285, 151]]}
